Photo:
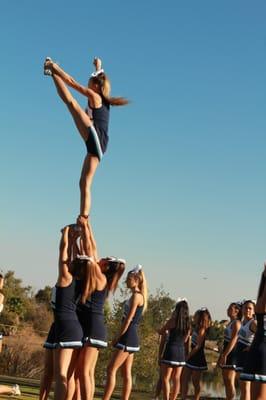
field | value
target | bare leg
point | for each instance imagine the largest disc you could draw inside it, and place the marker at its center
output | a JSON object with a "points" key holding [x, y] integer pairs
{"points": [[244, 390], [185, 378], [63, 367], [166, 376], [82, 122], [90, 165], [87, 368], [176, 374], [127, 377], [196, 375], [258, 391], [47, 376], [229, 377], [118, 358], [81, 119]]}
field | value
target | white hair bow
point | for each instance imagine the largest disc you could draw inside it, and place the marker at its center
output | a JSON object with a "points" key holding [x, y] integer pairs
{"points": [[96, 73], [136, 269], [181, 299]]}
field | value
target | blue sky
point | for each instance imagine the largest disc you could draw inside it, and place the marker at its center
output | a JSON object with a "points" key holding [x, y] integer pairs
{"points": [[181, 188]]}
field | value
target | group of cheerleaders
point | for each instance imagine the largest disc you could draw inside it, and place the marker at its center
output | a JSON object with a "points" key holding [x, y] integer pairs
{"points": [[85, 281]]}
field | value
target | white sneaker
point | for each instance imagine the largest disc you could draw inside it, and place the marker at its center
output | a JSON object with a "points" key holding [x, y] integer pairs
{"points": [[16, 390], [47, 71]]}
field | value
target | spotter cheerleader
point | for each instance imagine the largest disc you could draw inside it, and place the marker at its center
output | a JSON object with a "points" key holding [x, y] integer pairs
{"points": [[127, 342], [105, 275], [255, 363], [227, 359], [245, 339], [196, 361], [175, 334], [92, 128]]}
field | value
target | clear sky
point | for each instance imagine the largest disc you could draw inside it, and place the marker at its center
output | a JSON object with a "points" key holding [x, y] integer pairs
{"points": [[181, 188]]}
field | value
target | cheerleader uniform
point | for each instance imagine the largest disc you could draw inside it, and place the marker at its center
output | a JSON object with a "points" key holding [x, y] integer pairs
{"points": [[129, 341], [198, 360], [91, 317], [245, 338], [255, 365], [50, 341], [231, 358], [174, 353], [68, 331], [98, 132]]}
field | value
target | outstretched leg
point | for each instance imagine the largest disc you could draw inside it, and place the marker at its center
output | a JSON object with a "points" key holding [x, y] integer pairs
{"points": [[82, 122]]}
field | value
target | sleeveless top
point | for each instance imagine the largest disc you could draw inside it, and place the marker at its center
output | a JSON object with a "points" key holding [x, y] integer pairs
{"points": [[245, 335], [194, 338], [100, 117], [137, 316], [174, 338], [66, 299], [96, 301], [228, 331]]}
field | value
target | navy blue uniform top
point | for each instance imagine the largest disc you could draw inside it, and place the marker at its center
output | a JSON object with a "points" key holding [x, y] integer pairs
{"points": [[96, 301], [137, 316], [175, 338], [100, 117], [66, 299]]}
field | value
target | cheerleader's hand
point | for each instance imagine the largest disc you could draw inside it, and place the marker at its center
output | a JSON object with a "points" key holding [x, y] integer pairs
{"points": [[222, 360], [115, 341], [97, 62]]}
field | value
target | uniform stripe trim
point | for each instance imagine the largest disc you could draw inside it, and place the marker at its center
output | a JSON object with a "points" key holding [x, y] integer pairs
{"points": [[126, 348], [48, 345], [69, 344], [195, 367], [97, 342], [176, 363], [97, 142], [228, 366], [252, 377]]}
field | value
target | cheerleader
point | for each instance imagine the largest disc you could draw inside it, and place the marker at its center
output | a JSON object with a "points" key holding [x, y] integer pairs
{"points": [[92, 126], [105, 275], [175, 334], [196, 361], [245, 339], [255, 364], [127, 341], [227, 359]]}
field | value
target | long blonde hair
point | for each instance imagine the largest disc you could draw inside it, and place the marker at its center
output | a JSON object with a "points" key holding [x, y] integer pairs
{"points": [[105, 88], [142, 283]]}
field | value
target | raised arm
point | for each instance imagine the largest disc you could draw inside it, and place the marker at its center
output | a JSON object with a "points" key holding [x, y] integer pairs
{"points": [[64, 256], [88, 241]]}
